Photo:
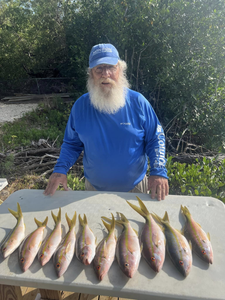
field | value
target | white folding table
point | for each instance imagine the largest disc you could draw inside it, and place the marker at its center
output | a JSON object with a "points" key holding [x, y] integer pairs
{"points": [[204, 281]]}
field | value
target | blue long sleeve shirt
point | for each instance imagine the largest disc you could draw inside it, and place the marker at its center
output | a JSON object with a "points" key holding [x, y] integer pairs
{"points": [[116, 146]]}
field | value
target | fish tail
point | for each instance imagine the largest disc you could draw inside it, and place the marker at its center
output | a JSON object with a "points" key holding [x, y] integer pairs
{"points": [[166, 217], [142, 206], [71, 222], [17, 213], [185, 211], [111, 226], [123, 221], [163, 220], [83, 221], [137, 209], [57, 219], [40, 224]]}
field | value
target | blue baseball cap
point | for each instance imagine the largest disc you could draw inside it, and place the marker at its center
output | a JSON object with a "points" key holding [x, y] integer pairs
{"points": [[103, 54]]}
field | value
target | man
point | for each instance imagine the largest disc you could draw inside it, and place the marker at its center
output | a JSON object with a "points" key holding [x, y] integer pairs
{"points": [[117, 129]]}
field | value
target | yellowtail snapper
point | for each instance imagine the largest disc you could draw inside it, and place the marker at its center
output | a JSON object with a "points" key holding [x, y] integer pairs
{"points": [[86, 242], [52, 241], [152, 238], [105, 251], [16, 235], [65, 251], [30, 246], [128, 252], [177, 246], [200, 240]]}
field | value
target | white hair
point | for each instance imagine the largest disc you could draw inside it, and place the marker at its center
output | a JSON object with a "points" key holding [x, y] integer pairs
{"points": [[109, 100]]}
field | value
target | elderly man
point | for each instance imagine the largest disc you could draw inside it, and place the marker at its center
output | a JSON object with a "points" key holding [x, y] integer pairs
{"points": [[117, 129]]}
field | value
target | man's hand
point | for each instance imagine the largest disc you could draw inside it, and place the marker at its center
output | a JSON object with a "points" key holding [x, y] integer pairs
{"points": [[54, 181], [158, 185]]}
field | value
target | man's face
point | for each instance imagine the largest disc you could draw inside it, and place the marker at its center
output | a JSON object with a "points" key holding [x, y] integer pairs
{"points": [[106, 76]]}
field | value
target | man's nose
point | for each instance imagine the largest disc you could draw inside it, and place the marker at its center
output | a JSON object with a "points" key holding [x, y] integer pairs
{"points": [[105, 72]]}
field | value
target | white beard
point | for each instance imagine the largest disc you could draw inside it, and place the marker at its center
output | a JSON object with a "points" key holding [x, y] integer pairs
{"points": [[108, 99]]}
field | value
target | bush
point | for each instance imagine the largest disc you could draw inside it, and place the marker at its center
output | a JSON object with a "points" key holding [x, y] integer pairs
{"points": [[204, 178]]}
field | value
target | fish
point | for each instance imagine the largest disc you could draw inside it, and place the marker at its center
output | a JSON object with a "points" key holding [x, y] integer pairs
{"points": [[177, 246], [152, 238], [52, 241], [200, 241], [105, 251], [16, 235], [128, 251], [86, 242], [30, 245], [65, 251]]}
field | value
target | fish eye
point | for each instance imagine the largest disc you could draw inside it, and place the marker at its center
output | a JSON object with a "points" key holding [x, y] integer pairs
{"points": [[98, 267], [126, 265], [58, 265], [42, 255], [152, 258], [203, 252], [22, 260], [82, 254], [181, 262]]}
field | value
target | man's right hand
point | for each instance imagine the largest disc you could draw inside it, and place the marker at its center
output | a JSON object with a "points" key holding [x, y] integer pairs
{"points": [[54, 181]]}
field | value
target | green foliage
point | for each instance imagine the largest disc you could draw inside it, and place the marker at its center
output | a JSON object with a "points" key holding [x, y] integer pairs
{"points": [[47, 122], [204, 178], [7, 166], [75, 183], [174, 49]]}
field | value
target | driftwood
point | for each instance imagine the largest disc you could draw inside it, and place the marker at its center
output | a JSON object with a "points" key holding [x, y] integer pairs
{"points": [[36, 97], [38, 159], [41, 157]]}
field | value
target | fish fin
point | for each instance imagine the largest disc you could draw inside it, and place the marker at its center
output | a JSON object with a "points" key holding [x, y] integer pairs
{"points": [[208, 235], [71, 222], [185, 211], [190, 244], [166, 217], [135, 231], [141, 247], [57, 219], [85, 219], [157, 218], [17, 213], [123, 220], [142, 206], [137, 209], [40, 224], [107, 219], [96, 240], [111, 226], [107, 226]]}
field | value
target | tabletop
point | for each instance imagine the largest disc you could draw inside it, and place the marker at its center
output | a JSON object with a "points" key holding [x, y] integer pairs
{"points": [[204, 281]]}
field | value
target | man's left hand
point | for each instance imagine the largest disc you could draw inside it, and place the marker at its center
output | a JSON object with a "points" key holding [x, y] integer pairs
{"points": [[158, 185]]}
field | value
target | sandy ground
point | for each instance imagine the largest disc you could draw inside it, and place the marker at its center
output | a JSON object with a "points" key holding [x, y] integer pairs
{"points": [[10, 112]]}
